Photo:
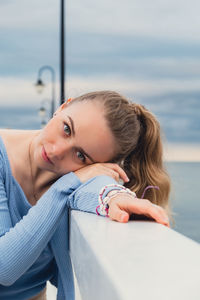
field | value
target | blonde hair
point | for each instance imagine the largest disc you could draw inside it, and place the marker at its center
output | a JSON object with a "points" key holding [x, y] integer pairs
{"points": [[138, 145]]}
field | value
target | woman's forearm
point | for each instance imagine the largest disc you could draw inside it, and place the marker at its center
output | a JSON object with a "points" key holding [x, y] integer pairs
{"points": [[85, 197], [23, 243]]}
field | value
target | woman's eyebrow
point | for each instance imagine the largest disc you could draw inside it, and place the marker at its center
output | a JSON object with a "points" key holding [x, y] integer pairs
{"points": [[72, 125], [73, 133]]}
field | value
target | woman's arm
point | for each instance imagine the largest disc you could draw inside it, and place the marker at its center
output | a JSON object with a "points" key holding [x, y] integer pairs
{"points": [[121, 206], [85, 197], [22, 244]]}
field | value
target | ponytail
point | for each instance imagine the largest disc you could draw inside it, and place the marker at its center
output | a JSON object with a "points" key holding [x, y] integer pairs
{"points": [[144, 165]]}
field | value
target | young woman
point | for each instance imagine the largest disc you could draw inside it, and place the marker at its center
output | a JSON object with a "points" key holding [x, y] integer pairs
{"points": [[91, 143]]}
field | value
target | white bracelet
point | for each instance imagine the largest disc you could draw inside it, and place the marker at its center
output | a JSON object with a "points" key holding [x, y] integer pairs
{"points": [[103, 206]]}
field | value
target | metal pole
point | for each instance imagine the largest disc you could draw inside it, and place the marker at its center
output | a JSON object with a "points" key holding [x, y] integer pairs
{"points": [[62, 54]]}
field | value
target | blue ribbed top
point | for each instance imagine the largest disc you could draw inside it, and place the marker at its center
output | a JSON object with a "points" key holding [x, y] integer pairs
{"points": [[34, 239]]}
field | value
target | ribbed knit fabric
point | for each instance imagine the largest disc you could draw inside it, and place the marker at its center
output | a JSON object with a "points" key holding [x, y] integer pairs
{"points": [[34, 239]]}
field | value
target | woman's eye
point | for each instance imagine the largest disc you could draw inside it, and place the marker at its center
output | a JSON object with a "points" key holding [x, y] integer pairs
{"points": [[67, 130], [81, 156]]}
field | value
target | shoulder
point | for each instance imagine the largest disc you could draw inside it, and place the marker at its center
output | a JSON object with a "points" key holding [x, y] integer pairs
{"points": [[10, 136], [8, 139], [12, 146]]}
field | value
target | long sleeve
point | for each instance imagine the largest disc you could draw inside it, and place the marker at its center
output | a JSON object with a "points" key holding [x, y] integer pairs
{"points": [[22, 244], [85, 197]]}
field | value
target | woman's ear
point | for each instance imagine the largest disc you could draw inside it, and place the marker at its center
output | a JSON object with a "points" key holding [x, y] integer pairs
{"points": [[62, 106]]}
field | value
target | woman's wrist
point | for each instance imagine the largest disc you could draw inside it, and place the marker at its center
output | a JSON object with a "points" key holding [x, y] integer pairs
{"points": [[126, 193], [104, 201], [112, 195]]}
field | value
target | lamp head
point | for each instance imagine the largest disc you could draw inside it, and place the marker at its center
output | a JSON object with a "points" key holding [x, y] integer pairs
{"points": [[39, 86], [42, 111]]}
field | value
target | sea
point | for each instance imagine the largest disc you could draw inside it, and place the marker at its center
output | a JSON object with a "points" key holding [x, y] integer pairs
{"points": [[185, 176]]}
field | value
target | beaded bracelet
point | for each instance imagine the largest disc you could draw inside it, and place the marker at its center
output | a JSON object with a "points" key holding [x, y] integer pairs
{"points": [[103, 203], [103, 206]]}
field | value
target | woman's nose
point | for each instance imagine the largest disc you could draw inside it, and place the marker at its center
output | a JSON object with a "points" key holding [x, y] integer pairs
{"points": [[60, 149]]}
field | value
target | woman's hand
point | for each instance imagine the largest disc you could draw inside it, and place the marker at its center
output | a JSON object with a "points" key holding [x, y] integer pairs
{"points": [[121, 206], [109, 169]]}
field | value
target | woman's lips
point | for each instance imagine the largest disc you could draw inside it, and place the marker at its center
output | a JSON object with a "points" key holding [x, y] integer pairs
{"points": [[45, 157]]}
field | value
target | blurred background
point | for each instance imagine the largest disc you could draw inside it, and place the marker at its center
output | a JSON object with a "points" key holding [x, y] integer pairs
{"points": [[148, 51]]}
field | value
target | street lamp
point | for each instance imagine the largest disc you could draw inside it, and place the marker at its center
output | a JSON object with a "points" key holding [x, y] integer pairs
{"points": [[44, 108], [40, 85]]}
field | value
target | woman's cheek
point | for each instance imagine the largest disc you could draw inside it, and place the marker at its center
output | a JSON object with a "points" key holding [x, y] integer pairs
{"points": [[69, 166]]}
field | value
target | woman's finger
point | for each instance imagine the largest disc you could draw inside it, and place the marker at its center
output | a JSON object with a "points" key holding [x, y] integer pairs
{"points": [[109, 169], [110, 172], [151, 210], [116, 214], [139, 206], [159, 214], [118, 169]]}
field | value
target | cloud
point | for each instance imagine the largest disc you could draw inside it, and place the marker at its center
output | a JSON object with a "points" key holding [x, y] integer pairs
{"points": [[148, 51], [29, 15], [22, 92], [139, 88], [132, 56], [177, 111], [132, 42], [172, 18], [182, 152], [23, 52]]}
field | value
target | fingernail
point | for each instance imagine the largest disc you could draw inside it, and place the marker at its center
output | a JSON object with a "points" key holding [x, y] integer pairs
{"points": [[166, 222], [120, 181], [123, 216]]}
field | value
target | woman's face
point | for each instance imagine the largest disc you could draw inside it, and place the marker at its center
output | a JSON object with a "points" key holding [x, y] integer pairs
{"points": [[75, 137]]}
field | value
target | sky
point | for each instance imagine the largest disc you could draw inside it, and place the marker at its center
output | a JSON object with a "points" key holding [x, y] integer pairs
{"points": [[147, 50]]}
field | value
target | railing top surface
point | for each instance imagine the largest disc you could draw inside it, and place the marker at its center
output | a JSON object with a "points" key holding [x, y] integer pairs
{"points": [[139, 259]]}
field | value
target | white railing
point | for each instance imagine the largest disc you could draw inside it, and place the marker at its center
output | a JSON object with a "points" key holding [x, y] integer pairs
{"points": [[139, 260]]}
